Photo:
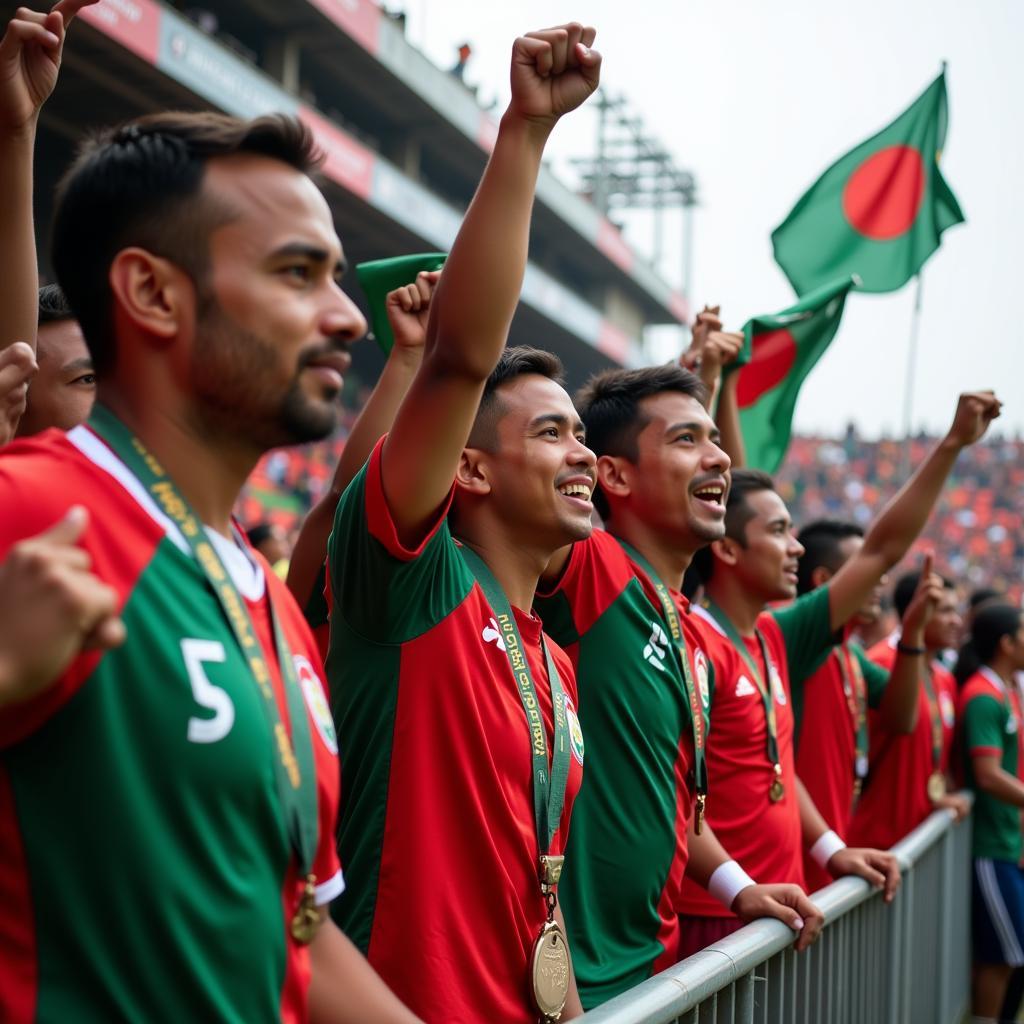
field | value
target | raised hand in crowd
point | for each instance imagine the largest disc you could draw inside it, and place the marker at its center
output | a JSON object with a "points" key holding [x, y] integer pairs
{"points": [[30, 55], [408, 310], [17, 366], [51, 607]]}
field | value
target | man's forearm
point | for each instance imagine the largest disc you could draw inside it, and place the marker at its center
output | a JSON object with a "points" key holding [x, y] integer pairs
{"points": [[19, 277], [892, 533], [480, 286], [345, 989], [900, 702]]}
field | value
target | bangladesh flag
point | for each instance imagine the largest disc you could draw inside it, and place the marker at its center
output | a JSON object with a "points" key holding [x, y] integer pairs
{"points": [[778, 353], [877, 212]]}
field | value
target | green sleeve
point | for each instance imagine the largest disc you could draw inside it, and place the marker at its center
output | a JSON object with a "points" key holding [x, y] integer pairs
{"points": [[384, 593], [807, 631], [984, 724], [876, 678]]}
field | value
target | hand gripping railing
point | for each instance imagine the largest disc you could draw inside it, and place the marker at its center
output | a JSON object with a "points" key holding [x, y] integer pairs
{"points": [[873, 964]]}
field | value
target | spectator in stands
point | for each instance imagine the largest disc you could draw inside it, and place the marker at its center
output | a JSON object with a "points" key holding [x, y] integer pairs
{"points": [[992, 726], [458, 69], [64, 388], [202, 261], [832, 727], [911, 775], [440, 690], [271, 542]]}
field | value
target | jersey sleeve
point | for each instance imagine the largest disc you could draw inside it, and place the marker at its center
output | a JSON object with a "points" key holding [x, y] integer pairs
{"points": [[384, 591], [876, 678], [807, 633], [984, 726]]}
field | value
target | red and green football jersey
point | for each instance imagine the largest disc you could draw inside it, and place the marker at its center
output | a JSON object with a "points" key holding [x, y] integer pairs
{"points": [[147, 871], [627, 853], [990, 717], [437, 826], [763, 835], [895, 798], [826, 747]]}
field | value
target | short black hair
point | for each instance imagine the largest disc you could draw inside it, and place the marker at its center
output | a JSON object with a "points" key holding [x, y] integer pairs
{"points": [[991, 624], [53, 305], [983, 595], [141, 184], [821, 539], [259, 534], [517, 361], [609, 405], [903, 592], [738, 513]]}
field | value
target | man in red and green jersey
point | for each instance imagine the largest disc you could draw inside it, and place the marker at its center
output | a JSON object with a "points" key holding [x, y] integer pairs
{"points": [[831, 707], [191, 770], [663, 479], [910, 775], [446, 696], [992, 731], [762, 810]]}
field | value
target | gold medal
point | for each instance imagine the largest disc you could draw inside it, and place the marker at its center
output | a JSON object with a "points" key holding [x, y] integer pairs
{"points": [[307, 919], [550, 973], [698, 824], [936, 787], [777, 790]]}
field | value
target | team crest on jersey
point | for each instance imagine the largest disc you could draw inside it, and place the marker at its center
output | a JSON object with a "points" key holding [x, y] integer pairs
{"points": [[1011, 724], [313, 691], [575, 732], [777, 688], [947, 709], [654, 650], [700, 667]]}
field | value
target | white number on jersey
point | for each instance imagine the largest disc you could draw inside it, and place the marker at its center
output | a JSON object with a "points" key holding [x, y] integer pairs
{"points": [[215, 699]]}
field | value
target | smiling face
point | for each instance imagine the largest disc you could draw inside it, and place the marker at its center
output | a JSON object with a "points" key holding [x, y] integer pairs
{"points": [[680, 478], [61, 394], [540, 475], [273, 326], [767, 559]]}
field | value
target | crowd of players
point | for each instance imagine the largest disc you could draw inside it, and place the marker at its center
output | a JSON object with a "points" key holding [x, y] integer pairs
{"points": [[173, 817]]}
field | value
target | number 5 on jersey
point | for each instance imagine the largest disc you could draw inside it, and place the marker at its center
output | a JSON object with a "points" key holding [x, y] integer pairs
{"points": [[213, 698]]}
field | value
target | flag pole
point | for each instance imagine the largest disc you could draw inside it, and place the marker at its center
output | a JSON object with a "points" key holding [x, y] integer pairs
{"points": [[908, 393]]}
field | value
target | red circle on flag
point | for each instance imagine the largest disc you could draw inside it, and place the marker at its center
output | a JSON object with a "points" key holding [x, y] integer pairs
{"points": [[772, 356], [884, 193]]}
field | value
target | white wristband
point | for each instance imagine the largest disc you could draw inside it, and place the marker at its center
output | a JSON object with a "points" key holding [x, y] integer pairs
{"points": [[727, 881], [825, 846]]}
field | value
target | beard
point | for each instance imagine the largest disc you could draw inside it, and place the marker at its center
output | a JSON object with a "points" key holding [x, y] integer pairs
{"points": [[235, 378]]}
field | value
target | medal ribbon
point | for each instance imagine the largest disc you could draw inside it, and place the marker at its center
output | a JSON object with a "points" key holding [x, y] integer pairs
{"points": [[856, 700], [698, 709], [293, 760], [935, 714], [548, 786], [764, 689]]}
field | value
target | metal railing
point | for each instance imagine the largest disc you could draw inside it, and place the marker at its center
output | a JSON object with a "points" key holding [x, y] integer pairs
{"points": [[873, 964]]}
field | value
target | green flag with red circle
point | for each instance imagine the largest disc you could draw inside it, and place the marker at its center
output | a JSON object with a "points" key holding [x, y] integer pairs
{"points": [[778, 352], [877, 212]]}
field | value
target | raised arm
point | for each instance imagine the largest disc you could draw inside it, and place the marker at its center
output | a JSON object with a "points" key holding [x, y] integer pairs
{"points": [[893, 532], [30, 54], [408, 308], [553, 72]]}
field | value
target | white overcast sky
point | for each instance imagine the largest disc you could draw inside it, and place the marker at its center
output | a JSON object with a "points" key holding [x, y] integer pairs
{"points": [[757, 98]]}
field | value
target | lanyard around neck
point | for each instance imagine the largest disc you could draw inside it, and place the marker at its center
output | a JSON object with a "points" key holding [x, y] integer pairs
{"points": [[549, 785], [763, 685]]}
